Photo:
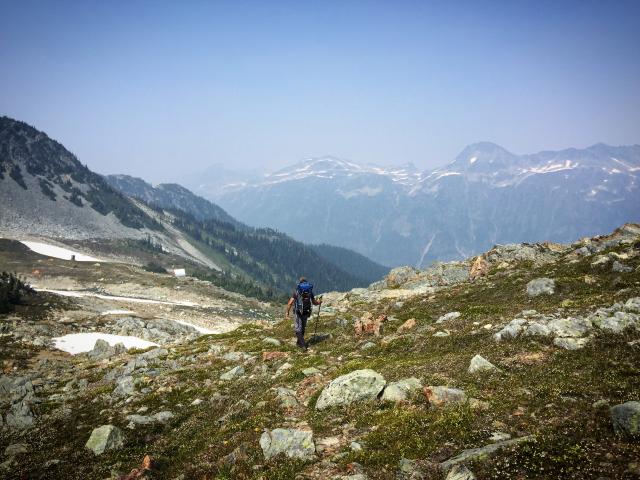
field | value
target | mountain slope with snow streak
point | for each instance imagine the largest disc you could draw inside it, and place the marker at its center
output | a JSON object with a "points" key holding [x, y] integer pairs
{"points": [[486, 195]]}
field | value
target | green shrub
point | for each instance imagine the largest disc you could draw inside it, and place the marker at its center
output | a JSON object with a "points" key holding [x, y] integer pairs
{"points": [[155, 268], [16, 174], [47, 190], [12, 291]]}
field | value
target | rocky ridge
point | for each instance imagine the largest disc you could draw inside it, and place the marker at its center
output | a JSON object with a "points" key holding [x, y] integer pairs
{"points": [[380, 394]]}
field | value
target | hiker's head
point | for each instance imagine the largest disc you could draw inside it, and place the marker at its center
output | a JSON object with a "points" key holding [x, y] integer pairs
{"points": [[302, 279]]}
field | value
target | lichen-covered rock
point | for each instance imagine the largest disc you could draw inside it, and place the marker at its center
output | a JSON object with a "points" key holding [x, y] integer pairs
{"points": [[512, 330], [570, 327], [106, 437], [368, 325], [621, 267], [536, 328], [448, 316], [516, 252], [272, 341], [125, 387], [13, 389], [409, 470], [400, 275], [541, 286], [311, 371], [164, 416], [460, 472], [154, 354], [479, 268], [401, 390], [632, 305], [619, 322], [441, 395], [19, 416], [293, 443], [406, 326], [102, 349], [356, 386], [160, 417], [16, 449], [570, 343], [476, 453], [626, 419], [235, 372], [480, 364], [286, 397]]}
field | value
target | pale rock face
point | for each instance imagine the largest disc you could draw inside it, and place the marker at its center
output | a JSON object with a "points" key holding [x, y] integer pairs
{"points": [[235, 372], [13, 389], [399, 276], [106, 437], [440, 395], [448, 316], [512, 330], [293, 443], [460, 472], [19, 416], [480, 364], [570, 327], [406, 326], [409, 470], [536, 328], [272, 341], [633, 305], [570, 343], [621, 267], [479, 268], [541, 286], [357, 386], [626, 419], [401, 390], [125, 387], [619, 321]]}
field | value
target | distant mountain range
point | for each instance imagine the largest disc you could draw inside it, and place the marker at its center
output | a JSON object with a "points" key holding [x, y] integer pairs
{"points": [[201, 214], [170, 195], [487, 195], [46, 192]]}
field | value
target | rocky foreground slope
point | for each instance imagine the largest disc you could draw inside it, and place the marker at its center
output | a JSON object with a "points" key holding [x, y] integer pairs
{"points": [[520, 363]]}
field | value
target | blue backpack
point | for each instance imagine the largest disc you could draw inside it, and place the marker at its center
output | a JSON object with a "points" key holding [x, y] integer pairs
{"points": [[304, 292]]}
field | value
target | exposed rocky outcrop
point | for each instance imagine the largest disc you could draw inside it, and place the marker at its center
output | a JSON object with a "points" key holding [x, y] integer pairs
{"points": [[104, 438], [359, 385], [292, 443]]}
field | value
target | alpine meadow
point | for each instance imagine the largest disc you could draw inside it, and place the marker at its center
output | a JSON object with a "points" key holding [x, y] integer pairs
{"points": [[304, 241]]}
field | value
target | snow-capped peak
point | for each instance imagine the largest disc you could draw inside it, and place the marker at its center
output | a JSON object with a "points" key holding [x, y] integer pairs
{"points": [[331, 167]]}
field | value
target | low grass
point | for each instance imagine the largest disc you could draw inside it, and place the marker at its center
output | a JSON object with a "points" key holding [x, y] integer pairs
{"points": [[539, 390]]}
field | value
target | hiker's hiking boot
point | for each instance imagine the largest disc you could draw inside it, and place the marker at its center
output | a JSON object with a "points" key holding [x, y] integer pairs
{"points": [[301, 343]]}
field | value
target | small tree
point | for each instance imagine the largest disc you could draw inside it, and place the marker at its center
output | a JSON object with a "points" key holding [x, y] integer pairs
{"points": [[12, 291]]}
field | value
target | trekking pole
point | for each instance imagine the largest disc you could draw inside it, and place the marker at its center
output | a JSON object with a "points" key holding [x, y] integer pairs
{"points": [[315, 328]]}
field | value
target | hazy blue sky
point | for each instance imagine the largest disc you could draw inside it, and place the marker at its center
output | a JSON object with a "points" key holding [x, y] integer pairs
{"points": [[159, 89]]}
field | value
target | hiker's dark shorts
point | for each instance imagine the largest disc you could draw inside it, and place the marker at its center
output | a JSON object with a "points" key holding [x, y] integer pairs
{"points": [[301, 322]]}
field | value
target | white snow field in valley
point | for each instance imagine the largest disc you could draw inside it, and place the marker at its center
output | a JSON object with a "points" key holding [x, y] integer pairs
{"points": [[202, 330], [75, 343], [57, 252], [116, 312]]}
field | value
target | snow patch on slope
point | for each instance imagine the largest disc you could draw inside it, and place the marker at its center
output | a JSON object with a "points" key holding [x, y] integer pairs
{"points": [[76, 343], [57, 252]]}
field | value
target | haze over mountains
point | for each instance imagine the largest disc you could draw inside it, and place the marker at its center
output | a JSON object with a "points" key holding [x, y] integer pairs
{"points": [[487, 195], [46, 192]]}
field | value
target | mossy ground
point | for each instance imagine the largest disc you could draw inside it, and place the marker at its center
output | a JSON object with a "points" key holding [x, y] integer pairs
{"points": [[540, 390]]}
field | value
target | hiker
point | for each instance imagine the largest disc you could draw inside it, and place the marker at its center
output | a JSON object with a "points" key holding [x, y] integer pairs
{"points": [[303, 299]]}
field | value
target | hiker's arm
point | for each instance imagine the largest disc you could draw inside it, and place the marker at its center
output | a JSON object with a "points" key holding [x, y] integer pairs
{"points": [[289, 306], [317, 301]]}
